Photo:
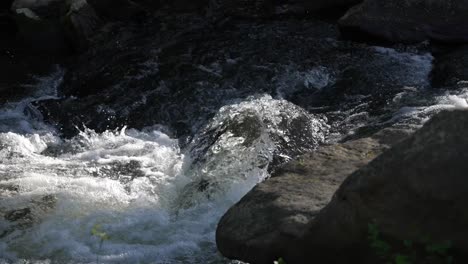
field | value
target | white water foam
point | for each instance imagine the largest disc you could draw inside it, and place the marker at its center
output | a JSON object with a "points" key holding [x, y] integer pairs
{"points": [[124, 196], [418, 115]]}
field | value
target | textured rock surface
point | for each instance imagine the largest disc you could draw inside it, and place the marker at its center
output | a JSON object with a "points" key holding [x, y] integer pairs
{"points": [[415, 190], [80, 23], [267, 8], [261, 226], [408, 21]]}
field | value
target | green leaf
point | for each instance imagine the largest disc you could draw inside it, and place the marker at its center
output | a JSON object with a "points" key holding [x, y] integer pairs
{"points": [[96, 231], [280, 261], [439, 248], [408, 243], [402, 259]]}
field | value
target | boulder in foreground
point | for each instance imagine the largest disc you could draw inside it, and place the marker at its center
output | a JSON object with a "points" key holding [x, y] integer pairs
{"points": [[261, 226], [417, 191]]}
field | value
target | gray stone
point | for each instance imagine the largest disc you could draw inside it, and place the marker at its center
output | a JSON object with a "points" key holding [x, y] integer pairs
{"points": [[408, 21], [416, 190], [261, 226]]}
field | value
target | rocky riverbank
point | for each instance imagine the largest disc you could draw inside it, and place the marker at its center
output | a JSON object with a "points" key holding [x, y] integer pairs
{"points": [[320, 207], [324, 95]]}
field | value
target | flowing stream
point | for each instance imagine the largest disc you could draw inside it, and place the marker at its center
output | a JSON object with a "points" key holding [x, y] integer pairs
{"points": [[134, 196]]}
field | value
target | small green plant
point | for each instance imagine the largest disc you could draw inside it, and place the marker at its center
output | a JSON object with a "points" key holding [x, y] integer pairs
{"points": [[96, 231], [280, 261], [426, 251], [380, 247], [402, 259]]}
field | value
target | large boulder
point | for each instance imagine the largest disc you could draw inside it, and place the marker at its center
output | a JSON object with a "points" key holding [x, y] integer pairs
{"points": [[55, 27], [38, 35], [408, 21], [413, 195], [260, 228], [450, 67], [80, 24]]}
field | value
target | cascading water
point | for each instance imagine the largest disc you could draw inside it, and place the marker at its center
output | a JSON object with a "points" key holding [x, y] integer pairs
{"points": [[136, 196], [130, 196]]}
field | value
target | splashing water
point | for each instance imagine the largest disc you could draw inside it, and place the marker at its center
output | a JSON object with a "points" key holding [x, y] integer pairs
{"points": [[151, 201]]}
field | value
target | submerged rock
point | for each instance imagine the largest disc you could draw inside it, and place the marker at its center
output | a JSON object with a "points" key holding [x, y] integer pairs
{"points": [[416, 191], [408, 21]]}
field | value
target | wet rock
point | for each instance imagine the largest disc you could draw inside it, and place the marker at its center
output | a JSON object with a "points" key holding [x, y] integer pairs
{"points": [[257, 135], [123, 172], [118, 9], [187, 5], [80, 23], [450, 67], [14, 219], [181, 80], [280, 209], [7, 27], [56, 27], [243, 8], [414, 191], [45, 9], [5, 5], [40, 36], [19, 214], [269, 8], [408, 21]]}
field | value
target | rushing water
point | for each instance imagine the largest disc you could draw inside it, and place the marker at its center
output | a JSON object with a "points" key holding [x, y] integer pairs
{"points": [[130, 196], [134, 196]]}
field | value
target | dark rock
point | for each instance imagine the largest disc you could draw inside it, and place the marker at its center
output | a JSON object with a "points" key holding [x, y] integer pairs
{"points": [[141, 76], [59, 25], [261, 227], [408, 21], [7, 27], [118, 9], [28, 48], [5, 5], [186, 5], [19, 214], [29, 213], [40, 36], [450, 68], [416, 191], [243, 8], [45, 9], [269, 8], [80, 23]]}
